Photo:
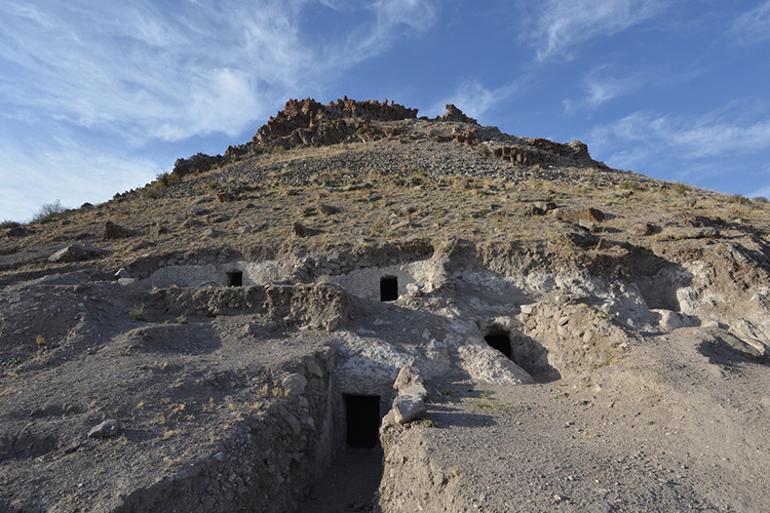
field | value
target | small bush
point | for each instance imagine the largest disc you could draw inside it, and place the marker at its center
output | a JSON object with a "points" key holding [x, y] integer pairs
{"points": [[628, 185], [181, 319], [167, 179], [48, 212], [162, 181], [737, 198], [680, 188], [9, 224], [760, 199], [137, 314]]}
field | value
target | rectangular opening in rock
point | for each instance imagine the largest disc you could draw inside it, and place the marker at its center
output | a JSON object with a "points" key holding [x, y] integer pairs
{"points": [[235, 279], [499, 340], [388, 288], [362, 419]]}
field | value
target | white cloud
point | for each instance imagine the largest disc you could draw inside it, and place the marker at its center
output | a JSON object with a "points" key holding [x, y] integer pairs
{"points": [[600, 88], [556, 27], [752, 26], [136, 73], [642, 137], [63, 170], [188, 69], [473, 98]]}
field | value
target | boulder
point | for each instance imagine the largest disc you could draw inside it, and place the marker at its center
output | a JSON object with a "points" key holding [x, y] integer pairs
{"points": [[641, 229], [725, 343], [407, 377], [407, 408], [106, 429], [591, 215], [211, 233], [540, 208], [115, 231], [452, 113], [328, 209], [300, 230], [76, 253], [18, 231]]}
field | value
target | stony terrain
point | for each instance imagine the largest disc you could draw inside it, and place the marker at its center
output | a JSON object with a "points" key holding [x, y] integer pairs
{"points": [[199, 344]]}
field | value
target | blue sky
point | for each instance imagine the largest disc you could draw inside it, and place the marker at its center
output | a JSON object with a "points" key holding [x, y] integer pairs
{"points": [[98, 97]]}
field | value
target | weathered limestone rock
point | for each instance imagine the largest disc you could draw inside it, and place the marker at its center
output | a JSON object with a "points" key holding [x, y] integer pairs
{"points": [[407, 377], [641, 229], [115, 231], [454, 114], [328, 209], [76, 253], [407, 408], [106, 429], [18, 231], [591, 215]]}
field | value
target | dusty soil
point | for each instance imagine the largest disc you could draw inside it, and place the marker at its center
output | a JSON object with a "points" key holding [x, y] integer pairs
{"points": [[246, 307], [350, 484], [669, 429]]}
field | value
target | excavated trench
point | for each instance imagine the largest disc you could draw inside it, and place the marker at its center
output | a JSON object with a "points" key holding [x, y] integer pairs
{"points": [[319, 451], [334, 461], [351, 482]]}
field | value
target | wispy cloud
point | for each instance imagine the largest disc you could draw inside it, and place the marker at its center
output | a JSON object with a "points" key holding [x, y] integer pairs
{"points": [[599, 87], [556, 27], [752, 26], [474, 99], [642, 137], [141, 72], [170, 74], [64, 170]]}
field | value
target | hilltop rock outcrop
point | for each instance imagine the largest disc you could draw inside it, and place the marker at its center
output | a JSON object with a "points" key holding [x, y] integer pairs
{"points": [[454, 114]]}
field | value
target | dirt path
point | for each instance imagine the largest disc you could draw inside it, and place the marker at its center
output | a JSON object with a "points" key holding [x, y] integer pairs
{"points": [[349, 485]]}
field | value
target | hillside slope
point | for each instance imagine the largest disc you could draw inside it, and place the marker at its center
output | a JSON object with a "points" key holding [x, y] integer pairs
{"points": [[588, 339]]}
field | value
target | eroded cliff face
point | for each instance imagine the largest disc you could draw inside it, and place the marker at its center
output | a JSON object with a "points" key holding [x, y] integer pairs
{"points": [[222, 336]]}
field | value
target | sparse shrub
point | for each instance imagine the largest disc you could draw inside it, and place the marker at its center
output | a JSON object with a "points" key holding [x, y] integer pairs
{"points": [[41, 342], [378, 226], [629, 185], [181, 319], [760, 199], [137, 314], [737, 198], [680, 188], [9, 224], [48, 212], [162, 181], [167, 179], [427, 423]]}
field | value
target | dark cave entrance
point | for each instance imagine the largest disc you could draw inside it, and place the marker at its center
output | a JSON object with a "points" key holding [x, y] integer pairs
{"points": [[235, 279], [388, 288], [500, 340], [362, 419]]}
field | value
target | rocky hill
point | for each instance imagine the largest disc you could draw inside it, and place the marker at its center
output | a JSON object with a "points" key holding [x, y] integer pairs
{"points": [[365, 310]]}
